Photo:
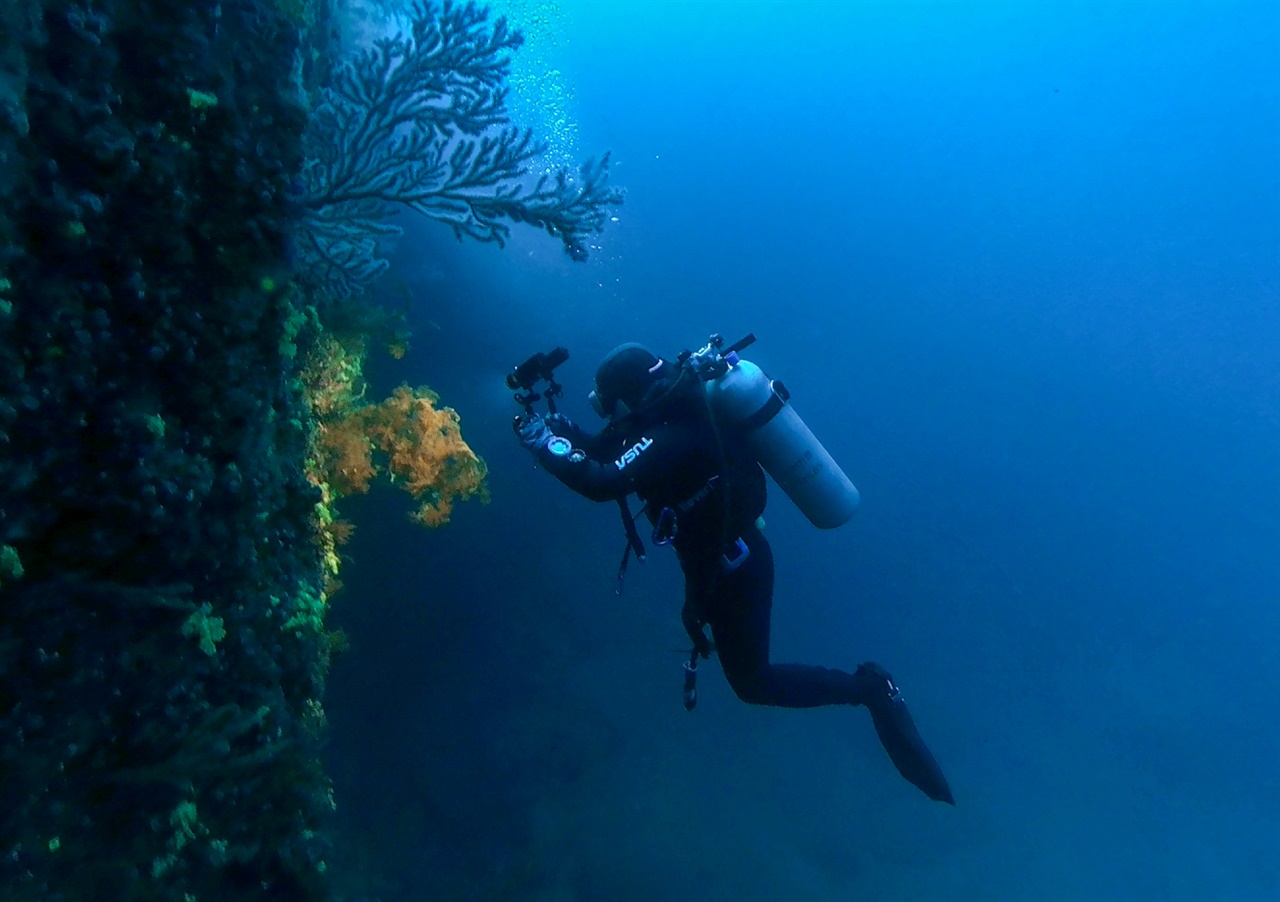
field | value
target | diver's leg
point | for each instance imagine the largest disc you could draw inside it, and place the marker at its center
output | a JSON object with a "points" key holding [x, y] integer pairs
{"points": [[739, 607]]}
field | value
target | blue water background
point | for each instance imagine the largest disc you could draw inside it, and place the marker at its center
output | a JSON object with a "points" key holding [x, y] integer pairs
{"points": [[1018, 264]]}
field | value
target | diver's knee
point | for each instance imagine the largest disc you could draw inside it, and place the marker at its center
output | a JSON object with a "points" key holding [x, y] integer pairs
{"points": [[753, 690]]}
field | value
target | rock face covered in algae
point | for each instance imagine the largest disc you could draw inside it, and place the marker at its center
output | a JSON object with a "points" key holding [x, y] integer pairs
{"points": [[158, 719], [177, 221]]}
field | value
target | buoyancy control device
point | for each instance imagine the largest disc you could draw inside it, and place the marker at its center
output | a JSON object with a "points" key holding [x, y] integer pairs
{"points": [[741, 395]]}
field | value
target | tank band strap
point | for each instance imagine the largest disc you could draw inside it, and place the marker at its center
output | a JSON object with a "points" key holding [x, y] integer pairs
{"points": [[766, 413]]}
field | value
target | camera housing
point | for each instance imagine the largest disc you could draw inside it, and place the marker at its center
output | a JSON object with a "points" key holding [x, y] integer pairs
{"points": [[540, 366]]}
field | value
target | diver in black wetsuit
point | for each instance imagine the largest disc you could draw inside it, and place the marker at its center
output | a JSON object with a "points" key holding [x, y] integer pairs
{"points": [[704, 493]]}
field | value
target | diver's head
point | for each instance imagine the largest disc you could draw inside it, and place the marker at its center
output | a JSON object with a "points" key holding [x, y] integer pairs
{"points": [[629, 378]]}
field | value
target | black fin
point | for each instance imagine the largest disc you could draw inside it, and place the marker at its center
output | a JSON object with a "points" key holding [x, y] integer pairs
{"points": [[901, 739]]}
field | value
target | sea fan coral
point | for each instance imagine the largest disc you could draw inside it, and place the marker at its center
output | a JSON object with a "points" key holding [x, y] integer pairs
{"points": [[419, 121]]}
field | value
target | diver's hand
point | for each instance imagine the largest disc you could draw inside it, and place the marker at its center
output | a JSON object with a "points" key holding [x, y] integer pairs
{"points": [[559, 424], [693, 626], [534, 433]]}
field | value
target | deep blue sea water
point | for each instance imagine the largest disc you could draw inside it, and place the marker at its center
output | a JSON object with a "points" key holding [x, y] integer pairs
{"points": [[1019, 264]]}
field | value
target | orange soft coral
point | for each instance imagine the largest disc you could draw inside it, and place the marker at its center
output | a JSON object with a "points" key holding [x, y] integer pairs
{"points": [[418, 444], [425, 452], [345, 454], [422, 447]]}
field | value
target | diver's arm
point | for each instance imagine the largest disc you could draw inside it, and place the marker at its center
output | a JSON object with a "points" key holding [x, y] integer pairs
{"points": [[606, 480], [590, 479]]}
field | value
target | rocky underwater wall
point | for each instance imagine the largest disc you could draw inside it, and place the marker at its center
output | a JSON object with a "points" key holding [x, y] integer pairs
{"points": [[193, 198], [161, 650]]}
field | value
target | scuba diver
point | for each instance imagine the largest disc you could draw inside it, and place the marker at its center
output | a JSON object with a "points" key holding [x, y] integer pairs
{"points": [[689, 438]]}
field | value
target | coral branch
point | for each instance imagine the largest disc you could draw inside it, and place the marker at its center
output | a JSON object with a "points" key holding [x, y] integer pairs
{"points": [[419, 121]]}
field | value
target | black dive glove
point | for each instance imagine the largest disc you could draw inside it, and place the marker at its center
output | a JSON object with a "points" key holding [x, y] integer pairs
{"points": [[534, 433]]}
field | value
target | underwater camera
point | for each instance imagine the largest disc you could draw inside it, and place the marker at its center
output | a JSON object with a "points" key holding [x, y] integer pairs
{"points": [[541, 366]]}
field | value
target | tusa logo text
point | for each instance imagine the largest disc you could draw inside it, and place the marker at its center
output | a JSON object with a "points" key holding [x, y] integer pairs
{"points": [[633, 452]]}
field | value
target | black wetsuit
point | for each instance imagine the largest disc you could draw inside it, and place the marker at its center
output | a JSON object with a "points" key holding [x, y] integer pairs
{"points": [[672, 457]]}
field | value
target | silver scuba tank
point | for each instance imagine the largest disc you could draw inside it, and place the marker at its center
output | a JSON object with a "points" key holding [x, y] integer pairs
{"points": [[782, 443]]}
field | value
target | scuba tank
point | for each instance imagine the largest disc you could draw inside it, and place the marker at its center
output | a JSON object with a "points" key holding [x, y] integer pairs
{"points": [[740, 393]]}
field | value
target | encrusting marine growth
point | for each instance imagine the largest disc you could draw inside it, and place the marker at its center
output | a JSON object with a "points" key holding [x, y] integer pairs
{"points": [[192, 203]]}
